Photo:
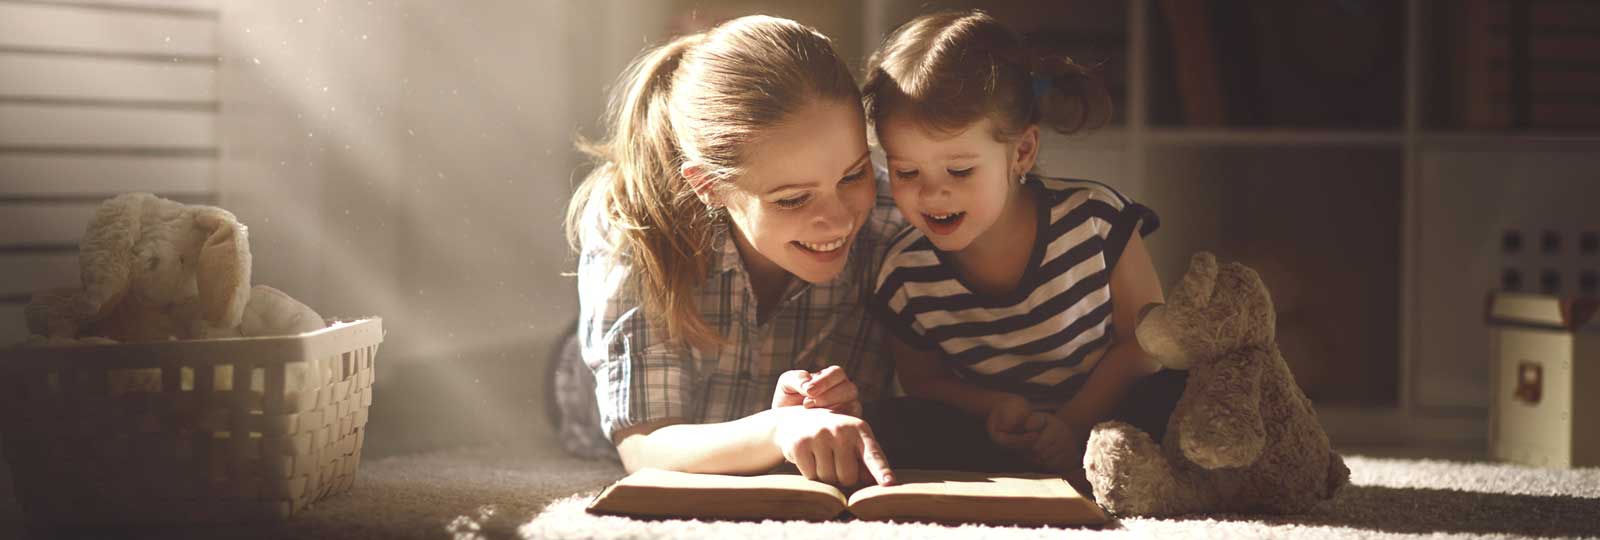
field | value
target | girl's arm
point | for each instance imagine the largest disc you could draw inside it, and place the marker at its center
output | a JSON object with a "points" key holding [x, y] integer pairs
{"points": [[923, 375], [1133, 285]]}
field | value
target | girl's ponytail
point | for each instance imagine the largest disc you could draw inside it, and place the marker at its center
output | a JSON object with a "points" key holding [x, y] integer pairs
{"points": [[1067, 96]]}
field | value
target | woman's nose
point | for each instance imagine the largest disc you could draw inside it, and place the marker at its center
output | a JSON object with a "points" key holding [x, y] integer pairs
{"points": [[835, 215]]}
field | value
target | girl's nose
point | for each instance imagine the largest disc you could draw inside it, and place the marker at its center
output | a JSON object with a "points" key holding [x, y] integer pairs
{"points": [[933, 191]]}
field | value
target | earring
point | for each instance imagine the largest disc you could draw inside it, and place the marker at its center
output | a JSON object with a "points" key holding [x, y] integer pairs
{"points": [[1022, 178]]}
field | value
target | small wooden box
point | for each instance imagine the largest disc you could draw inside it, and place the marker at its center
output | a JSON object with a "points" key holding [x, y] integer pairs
{"points": [[1545, 410]]}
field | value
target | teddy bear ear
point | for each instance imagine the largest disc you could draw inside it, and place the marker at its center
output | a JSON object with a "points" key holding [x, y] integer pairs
{"points": [[223, 271], [106, 256], [1198, 283]]}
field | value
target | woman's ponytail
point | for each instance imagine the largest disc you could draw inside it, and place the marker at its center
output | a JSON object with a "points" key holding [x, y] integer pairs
{"points": [[652, 216]]}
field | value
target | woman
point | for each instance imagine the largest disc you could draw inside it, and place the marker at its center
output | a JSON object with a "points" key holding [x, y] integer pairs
{"points": [[727, 240]]}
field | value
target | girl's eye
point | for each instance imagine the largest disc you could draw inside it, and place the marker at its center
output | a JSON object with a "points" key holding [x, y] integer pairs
{"points": [[960, 173], [792, 202], [905, 175]]}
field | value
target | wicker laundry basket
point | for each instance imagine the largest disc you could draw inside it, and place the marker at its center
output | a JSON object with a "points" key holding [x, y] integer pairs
{"points": [[185, 432]]}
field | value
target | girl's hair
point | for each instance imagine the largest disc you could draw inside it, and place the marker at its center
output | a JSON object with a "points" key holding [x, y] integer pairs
{"points": [[950, 69], [702, 98]]}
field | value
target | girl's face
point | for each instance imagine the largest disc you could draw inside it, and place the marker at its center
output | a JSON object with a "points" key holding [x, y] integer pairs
{"points": [[953, 187], [807, 189]]}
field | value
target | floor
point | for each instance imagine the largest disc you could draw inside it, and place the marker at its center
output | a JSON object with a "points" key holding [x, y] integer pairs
{"points": [[536, 491]]}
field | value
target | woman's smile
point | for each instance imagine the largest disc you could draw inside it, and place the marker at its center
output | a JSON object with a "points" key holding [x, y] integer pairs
{"points": [[823, 251]]}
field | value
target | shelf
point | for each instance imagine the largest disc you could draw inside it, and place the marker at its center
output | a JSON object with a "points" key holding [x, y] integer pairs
{"points": [[1528, 64], [1511, 140], [1317, 224], [1360, 427], [1275, 65], [1272, 137]]}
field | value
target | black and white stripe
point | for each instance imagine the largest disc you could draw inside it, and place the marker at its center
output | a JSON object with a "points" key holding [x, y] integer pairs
{"points": [[1044, 337]]}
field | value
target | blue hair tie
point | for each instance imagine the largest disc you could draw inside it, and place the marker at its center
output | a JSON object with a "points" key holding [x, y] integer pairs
{"points": [[1041, 85]]}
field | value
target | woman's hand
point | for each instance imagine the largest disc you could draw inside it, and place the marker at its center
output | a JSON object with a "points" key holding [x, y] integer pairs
{"points": [[830, 447], [827, 389], [1012, 424]]}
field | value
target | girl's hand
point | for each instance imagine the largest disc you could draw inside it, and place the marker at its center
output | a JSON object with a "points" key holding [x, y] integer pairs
{"points": [[827, 389], [831, 447], [1059, 446], [1012, 424]]}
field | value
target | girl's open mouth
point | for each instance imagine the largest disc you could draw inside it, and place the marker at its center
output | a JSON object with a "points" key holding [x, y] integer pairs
{"points": [[944, 223]]}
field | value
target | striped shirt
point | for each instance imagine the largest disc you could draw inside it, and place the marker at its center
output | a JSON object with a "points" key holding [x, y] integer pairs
{"points": [[640, 376], [1042, 339]]}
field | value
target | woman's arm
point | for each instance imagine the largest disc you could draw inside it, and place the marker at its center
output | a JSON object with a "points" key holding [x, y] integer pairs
{"points": [[646, 383], [741, 446], [824, 445]]}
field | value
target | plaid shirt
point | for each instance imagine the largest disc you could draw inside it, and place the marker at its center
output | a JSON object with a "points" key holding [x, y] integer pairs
{"points": [[640, 376]]}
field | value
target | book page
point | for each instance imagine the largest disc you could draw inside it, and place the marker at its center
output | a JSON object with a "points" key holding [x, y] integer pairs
{"points": [[966, 497], [652, 492]]}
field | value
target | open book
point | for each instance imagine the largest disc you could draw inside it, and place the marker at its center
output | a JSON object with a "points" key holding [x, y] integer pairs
{"points": [[940, 496]]}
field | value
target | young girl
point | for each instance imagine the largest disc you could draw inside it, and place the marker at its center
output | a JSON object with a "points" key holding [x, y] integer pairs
{"points": [[1015, 296], [727, 241]]}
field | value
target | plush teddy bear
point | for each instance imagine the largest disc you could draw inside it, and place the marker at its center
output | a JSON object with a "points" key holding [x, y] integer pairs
{"points": [[1243, 437], [154, 270]]}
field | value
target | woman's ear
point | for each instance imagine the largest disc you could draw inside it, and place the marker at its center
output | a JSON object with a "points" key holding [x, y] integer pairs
{"points": [[223, 271], [1026, 151], [702, 184]]}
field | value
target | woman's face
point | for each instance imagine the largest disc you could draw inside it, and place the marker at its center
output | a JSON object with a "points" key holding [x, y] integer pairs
{"points": [[807, 189]]}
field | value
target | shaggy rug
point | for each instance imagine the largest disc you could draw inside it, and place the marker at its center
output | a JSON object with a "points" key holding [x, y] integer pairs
{"points": [[538, 492]]}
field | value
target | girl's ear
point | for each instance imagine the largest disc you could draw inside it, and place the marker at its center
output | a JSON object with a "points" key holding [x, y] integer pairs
{"points": [[1026, 152], [701, 183]]}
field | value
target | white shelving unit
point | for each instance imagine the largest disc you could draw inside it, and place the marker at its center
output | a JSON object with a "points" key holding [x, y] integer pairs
{"points": [[1451, 194]]}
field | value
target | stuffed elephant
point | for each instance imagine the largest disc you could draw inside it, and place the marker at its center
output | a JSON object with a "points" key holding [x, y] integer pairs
{"points": [[154, 270], [1243, 438]]}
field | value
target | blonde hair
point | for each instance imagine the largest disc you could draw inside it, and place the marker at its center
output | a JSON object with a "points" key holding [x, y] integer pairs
{"points": [[703, 98], [950, 69]]}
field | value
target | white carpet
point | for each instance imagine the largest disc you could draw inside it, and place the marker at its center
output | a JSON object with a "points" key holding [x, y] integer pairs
{"points": [[508, 492]]}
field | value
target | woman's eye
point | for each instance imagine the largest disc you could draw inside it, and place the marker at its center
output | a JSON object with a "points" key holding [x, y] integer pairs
{"points": [[853, 177], [960, 173], [792, 202], [905, 175]]}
